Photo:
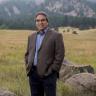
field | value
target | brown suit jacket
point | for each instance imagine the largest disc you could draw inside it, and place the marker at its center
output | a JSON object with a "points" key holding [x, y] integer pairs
{"points": [[50, 54]]}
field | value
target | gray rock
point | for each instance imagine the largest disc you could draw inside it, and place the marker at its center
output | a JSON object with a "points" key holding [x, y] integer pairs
{"points": [[6, 93], [85, 82], [68, 69]]}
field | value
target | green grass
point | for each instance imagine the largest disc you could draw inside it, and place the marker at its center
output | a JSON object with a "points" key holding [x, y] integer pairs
{"points": [[80, 49]]}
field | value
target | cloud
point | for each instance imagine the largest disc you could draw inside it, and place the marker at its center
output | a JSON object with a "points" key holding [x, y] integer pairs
{"points": [[3, 1]]}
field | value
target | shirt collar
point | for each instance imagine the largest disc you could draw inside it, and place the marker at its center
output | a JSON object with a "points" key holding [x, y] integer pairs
{"points": [[43, 31]]}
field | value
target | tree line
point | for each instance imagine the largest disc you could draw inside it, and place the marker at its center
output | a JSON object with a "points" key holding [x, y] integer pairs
{"points": [[28, 22]]}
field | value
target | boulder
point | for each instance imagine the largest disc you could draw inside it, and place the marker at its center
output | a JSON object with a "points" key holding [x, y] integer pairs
{"points": [[83, 82], [68, 69], [6, 93]]}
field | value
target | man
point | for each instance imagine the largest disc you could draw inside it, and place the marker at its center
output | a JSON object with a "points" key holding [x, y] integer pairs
{"points": [[44, 56]]}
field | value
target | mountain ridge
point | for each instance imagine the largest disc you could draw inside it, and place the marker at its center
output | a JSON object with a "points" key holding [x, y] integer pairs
{"points": [[63, 7]]}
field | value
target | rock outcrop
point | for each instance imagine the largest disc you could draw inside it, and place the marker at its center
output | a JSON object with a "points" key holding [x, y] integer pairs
{"points": [[68, 69], [6, 93], [85, 82]]}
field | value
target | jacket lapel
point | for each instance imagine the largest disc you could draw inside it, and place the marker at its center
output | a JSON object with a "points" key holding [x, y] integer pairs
{"points": [[47, 34], [34, 41]]}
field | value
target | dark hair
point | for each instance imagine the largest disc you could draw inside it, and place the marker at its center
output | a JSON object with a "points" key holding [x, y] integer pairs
{"points": [[42, 13]]}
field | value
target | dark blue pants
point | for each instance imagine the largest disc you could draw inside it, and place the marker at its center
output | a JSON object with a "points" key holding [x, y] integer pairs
{"points": [[40, 86]]}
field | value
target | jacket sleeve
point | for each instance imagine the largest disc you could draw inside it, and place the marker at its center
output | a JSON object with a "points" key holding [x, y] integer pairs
{"points": [[27, 53], [59, 53]]}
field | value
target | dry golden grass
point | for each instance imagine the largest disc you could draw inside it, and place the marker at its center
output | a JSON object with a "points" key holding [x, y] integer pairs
{"points": [[80, 49], [12, 68]]}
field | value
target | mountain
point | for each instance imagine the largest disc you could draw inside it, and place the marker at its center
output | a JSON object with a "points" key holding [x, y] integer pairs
{"points": [[92, 0], [20, 13], [71, 7], [16, 8], [19, 8]]}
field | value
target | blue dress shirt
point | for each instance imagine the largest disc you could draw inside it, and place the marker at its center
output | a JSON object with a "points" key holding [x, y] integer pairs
{"points": [[39, 39]]}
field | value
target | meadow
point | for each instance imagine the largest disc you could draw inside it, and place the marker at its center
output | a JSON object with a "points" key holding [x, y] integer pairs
{"points": [[80, 49]]}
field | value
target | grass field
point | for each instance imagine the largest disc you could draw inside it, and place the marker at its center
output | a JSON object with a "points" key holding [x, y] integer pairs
{"points": [[80, 49]]}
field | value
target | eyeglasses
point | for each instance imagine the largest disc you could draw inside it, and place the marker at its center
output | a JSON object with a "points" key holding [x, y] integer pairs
{"points": [[42, 20]]}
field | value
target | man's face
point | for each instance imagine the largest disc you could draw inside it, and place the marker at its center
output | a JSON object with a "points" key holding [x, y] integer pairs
{"points": [[41, 22]]}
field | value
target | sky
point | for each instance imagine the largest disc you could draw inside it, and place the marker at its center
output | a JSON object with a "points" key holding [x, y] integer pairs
{"points": [[39, 1], [35, 0], [92, 0], [0, 0], [3, 0]]}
